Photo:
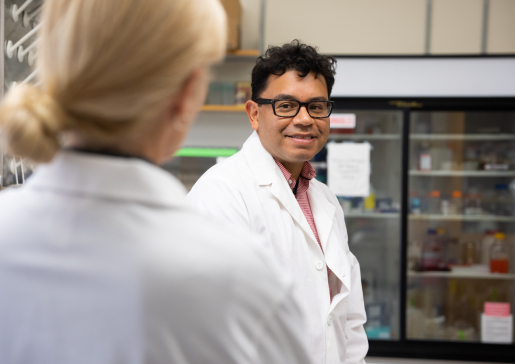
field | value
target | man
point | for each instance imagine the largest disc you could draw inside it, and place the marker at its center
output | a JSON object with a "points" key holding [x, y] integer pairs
{"points": [[269, 187]]}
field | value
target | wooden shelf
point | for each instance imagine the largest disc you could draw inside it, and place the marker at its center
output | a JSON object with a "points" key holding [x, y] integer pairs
{"points": [[243, 53], [224, 108]]}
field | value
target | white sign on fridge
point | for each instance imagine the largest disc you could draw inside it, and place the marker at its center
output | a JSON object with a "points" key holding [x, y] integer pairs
{"points": [[348, 169]]}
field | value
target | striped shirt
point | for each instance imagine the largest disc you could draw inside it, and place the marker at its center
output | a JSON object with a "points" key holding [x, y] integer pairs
{"points": [[306, 174]]}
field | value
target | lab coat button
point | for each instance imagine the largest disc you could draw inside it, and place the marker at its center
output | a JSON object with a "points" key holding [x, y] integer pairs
{"points": [[319, 265], [329, 321]]}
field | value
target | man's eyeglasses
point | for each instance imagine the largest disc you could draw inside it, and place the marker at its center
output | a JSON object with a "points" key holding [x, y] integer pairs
{"points": [[290, 108]]}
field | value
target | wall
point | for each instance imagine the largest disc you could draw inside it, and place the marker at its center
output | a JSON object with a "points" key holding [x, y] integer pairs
{"points": [[364, 27], [411, 27]]}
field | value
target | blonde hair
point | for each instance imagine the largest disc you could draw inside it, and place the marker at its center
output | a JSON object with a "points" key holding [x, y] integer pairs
{"points": [[106, 66]]}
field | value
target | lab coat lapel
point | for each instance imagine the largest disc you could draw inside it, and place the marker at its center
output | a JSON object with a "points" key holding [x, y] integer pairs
{"points": [[283, 193], [267, 173], [335, 256], [323, 213]]}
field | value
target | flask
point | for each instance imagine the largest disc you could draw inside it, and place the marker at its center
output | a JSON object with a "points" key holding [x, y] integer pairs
{"points": [[499, 255]]}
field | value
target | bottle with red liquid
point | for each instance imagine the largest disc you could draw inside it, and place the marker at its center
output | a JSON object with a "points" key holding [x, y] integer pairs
{"points": [[499, 255]]}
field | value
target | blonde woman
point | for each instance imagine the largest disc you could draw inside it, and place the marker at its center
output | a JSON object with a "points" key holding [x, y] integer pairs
{"points": [[101, 259]]}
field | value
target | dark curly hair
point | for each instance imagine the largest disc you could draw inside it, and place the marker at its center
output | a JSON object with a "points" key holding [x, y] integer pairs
{"points": [[291, 56]]}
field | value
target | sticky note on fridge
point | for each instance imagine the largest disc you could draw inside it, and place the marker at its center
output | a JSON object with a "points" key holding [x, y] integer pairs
{"points": [[348, 169]]}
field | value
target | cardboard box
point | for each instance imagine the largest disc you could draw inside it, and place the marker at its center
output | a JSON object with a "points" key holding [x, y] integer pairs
{"points": [[233, 11]]}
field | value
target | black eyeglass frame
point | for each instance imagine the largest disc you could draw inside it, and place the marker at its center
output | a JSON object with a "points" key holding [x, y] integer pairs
{"points": [[305, 104]]}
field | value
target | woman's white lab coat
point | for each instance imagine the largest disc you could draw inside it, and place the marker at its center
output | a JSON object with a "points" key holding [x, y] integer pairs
{"points": [[249, 189], [103, 261]]}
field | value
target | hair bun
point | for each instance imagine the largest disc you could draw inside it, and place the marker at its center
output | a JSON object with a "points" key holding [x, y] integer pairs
{"points": [[31, 121]]}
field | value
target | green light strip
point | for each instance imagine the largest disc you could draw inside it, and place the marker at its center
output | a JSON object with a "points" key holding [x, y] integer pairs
{"points": [[205, 152]]}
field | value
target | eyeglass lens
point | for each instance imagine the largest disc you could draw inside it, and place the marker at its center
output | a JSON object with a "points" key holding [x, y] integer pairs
{"points": [[317, 109]]}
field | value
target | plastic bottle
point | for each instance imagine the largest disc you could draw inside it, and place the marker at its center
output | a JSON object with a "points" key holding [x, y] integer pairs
{"points": [[446, 207], [415, 204], [499, 255], [370, 200], [434, 202]]}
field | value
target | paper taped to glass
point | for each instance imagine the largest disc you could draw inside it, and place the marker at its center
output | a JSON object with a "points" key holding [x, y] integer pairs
{"points": [[348, 169]]}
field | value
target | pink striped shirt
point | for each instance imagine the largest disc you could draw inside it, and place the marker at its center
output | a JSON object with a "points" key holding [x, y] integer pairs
{"points": [[306, 174]]}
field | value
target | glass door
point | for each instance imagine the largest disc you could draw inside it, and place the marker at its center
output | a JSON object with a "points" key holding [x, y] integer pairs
{"points": [[461, 229], [373, 221]]}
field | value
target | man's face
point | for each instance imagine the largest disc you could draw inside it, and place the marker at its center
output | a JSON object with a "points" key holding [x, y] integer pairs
{"points": [[291, 140]]}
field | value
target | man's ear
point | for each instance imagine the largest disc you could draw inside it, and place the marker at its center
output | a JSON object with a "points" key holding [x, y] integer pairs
{"points": [[252, 111]]}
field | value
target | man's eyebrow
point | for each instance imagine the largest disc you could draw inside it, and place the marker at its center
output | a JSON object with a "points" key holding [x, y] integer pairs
{"points": [[291, 97], [319, 98], [284, 97]]}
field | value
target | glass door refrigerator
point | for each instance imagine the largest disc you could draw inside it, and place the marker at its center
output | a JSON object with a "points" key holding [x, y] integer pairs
{"points": [[435, 236]]}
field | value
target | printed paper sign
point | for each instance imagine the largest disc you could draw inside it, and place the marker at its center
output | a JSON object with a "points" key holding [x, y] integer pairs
{"points": [[348, 169], [343, 121], [496, 329]]}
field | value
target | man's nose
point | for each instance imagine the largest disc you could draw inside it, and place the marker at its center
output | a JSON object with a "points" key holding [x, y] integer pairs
{"points": [[303, 117]]}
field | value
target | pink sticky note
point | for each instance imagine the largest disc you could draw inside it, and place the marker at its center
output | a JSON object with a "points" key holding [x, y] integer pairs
{"points": [[497, 309]]}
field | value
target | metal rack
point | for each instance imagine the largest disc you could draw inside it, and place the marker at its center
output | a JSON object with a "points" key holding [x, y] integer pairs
{"points": [[20, 24]]}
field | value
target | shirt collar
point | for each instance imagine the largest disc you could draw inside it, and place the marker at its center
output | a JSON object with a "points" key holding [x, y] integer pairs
{"points": [[307, 173]]}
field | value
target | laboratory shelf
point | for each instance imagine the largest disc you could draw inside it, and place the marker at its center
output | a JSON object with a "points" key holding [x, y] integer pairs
{"points": [[468, 274], [372, 215], [462, 137], [364, 137], [242, 54], [461, 173], [224, 108], [441, 217]]}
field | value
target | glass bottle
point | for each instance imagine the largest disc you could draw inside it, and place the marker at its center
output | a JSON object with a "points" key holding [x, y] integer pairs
{"points": [[504, 205], [499, 255], [424, 157], [456, 203], [432, 253], [434, 202]]}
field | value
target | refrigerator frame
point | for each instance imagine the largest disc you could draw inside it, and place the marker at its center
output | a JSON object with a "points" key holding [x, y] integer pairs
{"points": [[427, 349]]}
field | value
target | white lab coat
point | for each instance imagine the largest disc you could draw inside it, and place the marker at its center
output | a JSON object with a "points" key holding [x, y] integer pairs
{"points": [[102, 261], [249, 190]]}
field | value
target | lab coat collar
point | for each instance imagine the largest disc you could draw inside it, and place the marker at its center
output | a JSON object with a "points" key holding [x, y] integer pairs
{"points": [[116, 178], [267, 173]]}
